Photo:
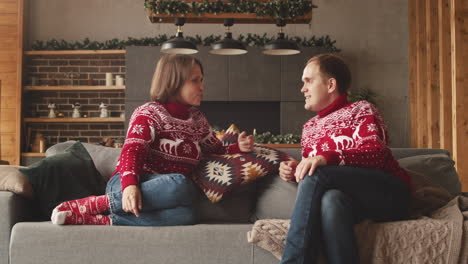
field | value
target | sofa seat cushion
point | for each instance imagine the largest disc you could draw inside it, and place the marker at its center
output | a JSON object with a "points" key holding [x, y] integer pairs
{"points": [[43, 242]]}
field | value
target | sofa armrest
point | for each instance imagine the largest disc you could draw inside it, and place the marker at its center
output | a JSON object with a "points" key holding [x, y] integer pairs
{"points": [[13, 209]]}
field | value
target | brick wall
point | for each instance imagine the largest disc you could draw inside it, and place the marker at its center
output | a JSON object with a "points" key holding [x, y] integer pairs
{"points": [[73, 70], [84, 132], [36, 102]]}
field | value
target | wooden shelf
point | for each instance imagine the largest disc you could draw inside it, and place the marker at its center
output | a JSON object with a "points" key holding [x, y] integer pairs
{"points": [[73, 88], [73, 120], [73, 52], [282, 145], [32, 154], [239, 18]]}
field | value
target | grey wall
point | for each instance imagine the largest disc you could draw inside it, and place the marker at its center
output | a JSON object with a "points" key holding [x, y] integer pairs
{"points": [[250, 94], [373, 36]]}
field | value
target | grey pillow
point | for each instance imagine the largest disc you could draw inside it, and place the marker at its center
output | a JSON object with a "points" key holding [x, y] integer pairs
{"points": [[236, 208], [104, 158], [439, 168], [276, 199]]}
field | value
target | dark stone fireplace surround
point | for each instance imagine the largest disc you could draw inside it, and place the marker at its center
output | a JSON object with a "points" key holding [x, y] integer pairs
{"points": [[262, 116], [251, 91]]}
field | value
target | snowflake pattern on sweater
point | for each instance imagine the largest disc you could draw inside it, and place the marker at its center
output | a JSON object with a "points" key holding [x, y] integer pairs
{"points": [[351, 134], [158, 142]]}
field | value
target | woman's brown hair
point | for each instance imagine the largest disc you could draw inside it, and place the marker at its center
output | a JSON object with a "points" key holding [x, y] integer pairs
{"points": [[172, 71]]}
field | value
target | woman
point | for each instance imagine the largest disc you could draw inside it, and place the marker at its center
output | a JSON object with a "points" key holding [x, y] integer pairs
{"points": [[165, 141]]}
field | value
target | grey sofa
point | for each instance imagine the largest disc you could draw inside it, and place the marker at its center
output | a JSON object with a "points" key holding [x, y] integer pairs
{"points": [[220, 238]]}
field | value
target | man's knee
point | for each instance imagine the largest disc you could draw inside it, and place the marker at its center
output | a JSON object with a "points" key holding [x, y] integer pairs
{"points": [[334, 202]]}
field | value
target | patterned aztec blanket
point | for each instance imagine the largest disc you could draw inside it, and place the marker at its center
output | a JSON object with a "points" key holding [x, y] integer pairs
{"points": [[441, 237]]}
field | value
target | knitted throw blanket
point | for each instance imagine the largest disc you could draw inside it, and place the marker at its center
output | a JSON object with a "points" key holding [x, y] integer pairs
{"points": [[441, 238]]}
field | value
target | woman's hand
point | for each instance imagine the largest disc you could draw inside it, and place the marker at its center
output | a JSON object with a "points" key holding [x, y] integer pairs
{"points": [[245, 142], [287, 169], [131, 200], [309, 165]]}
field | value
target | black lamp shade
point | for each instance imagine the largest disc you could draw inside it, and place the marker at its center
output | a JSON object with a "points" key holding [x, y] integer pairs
{"points": [[228, 46], [281, 46], [179, 45]]}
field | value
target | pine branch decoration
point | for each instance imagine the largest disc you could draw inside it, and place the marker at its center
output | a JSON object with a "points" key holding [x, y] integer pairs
{"points": [[250, 40], [284, 9]]}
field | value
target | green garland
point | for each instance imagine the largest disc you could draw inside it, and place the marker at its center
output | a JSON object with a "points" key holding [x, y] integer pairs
{"points": [[269, 138], [285, 9], [362, 94], [250, 40]]}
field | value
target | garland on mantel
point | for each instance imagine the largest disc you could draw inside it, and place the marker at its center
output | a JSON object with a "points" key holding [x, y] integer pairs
{"points": [[250, 40], [269, 138], [285, 9]]}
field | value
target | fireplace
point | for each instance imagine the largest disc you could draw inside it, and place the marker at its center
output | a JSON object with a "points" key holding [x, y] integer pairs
{"points": [[263, 116], [253, 91]]}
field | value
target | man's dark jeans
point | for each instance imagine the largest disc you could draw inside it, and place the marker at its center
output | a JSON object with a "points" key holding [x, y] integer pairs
{"points": [[331, 201]]}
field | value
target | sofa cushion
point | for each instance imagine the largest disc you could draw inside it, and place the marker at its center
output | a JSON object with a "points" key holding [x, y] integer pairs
{"points": [[205, 243], [429, 174], [427, 195], [62, 177], [11, 179], [439, 168], [399, 153], [231, 135], [276, 199], [236, 208], [104, 158], [219, 175]]}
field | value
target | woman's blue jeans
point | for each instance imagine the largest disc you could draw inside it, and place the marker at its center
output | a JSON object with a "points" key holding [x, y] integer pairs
{"points": [[331, 201], [167, 201]]}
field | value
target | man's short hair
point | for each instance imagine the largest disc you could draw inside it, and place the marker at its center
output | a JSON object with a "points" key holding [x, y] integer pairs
{"points": [[333, 66]]}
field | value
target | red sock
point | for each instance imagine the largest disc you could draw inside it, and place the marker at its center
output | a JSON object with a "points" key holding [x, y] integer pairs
{"points": [[71, 218], [91, 205]]}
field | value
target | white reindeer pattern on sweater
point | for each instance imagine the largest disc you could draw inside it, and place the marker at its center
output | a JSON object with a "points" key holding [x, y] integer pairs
{"points": [[351, 134], [159, 142], [344, 129]]}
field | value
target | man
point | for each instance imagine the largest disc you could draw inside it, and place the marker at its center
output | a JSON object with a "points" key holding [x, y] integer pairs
{"points": [[347, 171]]}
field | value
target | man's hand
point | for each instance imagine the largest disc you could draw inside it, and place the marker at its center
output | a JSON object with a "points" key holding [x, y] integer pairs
{"points": [[287, 169], [131, 200], [309, 165], [245, 142]]}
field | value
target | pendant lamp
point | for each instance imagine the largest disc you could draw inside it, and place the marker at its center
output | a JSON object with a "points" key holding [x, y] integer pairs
{"points": [[179, 45], [228, 46], [281, 46]]}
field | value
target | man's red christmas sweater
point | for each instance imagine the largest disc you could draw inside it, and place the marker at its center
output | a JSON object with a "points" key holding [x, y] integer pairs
{"points": [[351, 134]]}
